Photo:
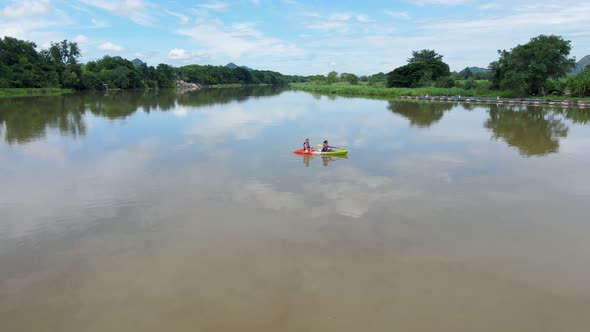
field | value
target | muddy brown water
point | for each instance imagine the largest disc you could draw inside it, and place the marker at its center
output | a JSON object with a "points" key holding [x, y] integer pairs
{"points": [[143, 211]]}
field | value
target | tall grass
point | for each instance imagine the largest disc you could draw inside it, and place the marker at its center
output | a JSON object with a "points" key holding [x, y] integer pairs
{"points": [[370, 91], [32, 92]]}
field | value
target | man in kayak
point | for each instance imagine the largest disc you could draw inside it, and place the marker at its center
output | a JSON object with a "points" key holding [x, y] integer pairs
{"points": [[306, 146], [326, 147]]}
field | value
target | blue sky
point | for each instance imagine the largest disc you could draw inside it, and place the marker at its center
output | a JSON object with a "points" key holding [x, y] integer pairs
{"points": [[296, 36]]}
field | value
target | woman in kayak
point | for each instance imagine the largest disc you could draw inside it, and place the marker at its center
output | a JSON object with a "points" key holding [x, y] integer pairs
{"points": [[306, 146], [326, 147]]}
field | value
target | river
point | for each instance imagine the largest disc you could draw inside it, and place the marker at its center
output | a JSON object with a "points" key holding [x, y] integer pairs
{"points": [[170, 211]]}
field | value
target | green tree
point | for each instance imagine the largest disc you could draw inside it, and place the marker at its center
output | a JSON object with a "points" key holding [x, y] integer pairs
{"points": [[242, 76], [378, 79], [120, 78], [5, 75], [469, 84], [165, 76], [70, 79], [531, 64], [466, 73], [350, 78], [417, 74], [424, 68], [65, 56], [65, 53], [424, 55], [332, 77]]}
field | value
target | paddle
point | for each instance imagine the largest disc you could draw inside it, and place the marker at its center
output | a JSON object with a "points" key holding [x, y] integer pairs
{"points": [[340, 148]]}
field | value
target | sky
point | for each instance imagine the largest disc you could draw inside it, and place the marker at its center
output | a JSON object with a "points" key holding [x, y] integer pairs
{"points": [[296, 36]]}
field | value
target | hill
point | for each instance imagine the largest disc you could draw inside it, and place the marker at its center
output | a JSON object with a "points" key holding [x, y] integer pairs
{"points": [[585, 61], [137, 62], [478, 70], [232, 65]]}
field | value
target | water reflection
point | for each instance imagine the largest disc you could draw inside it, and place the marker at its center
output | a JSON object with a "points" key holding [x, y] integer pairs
{"points": [[532, 130], [420, 114], [576, 115], [202, 219], [26, 119], [326, 160], [23, 120]]}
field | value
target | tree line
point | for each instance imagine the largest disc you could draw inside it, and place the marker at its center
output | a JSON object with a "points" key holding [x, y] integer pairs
{"points": [[538, 68], [213, 75], [22, 66]]}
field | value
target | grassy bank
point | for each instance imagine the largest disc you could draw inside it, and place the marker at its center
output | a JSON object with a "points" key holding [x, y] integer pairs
{"points": [[363, 90], [29, 92]]}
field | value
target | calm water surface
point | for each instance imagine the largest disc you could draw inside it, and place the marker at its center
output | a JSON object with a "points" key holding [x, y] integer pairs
{"points": [[188, 212]]}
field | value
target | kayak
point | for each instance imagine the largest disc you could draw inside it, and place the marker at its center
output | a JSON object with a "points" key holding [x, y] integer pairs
{"points": [[341, 152]]}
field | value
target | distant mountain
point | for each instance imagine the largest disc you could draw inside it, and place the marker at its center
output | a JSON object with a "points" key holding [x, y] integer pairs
{"points": [[232, 65], [137, 62], [478, 70], [585, 61]]}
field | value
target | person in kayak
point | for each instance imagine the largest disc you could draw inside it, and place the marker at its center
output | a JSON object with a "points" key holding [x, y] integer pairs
{"points": [[306, 146], [326, 147]]}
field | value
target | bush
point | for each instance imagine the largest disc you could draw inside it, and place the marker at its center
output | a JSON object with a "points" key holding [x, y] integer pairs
{"points": [[554, 86], [469, 84], [580, 84], [445, 82]]}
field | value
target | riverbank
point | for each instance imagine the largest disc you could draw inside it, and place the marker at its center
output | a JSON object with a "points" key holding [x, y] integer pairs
{"points": [[509, 101], [32, 92], [363, 90]]}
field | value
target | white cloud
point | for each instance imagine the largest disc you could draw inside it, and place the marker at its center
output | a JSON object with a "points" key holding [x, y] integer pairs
{"points": [[402, 15], [362, 18], [439, 2], [342, 20], [26, 8], [541, 19], [489, 5], [80, 39], [185, 56], [217, 6], [183, 18], [133, 9], [326, 25], [236, 39], [108, 46], [124, 7], [99, 24], [40, 29], [309, 14], [177, 54], [340, 16]]}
